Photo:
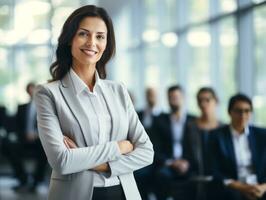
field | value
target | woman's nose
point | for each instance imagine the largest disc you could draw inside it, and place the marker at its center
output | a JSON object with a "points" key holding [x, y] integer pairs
{"points": [[90, 41]]}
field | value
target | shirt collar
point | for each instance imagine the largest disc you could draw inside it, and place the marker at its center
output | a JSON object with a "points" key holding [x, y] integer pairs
{"points": [[80, 85], [182, 118], [236, 133], [154, 111]]}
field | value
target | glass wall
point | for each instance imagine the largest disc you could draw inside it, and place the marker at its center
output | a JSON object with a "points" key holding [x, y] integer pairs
{"points": [[199, 40], [25, 48], [260, 68], [204, 51], [159, 43], [228, 59]]}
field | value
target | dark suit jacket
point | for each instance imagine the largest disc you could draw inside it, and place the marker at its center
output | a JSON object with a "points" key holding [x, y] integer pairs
{"points": [[140, 114], [21, 121], [162, 137], [141, 118], [223, 156], [2, 116]]}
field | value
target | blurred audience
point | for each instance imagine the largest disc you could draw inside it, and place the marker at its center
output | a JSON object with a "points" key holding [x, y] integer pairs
{"points": [[196, 158], [238, 154]]}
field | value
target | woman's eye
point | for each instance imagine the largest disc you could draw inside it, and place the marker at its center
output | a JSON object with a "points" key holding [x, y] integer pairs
{"points": [[100, 37], [82, 33]]}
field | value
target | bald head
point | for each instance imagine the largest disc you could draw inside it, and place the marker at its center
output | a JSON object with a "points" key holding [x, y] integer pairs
{"points": [[151, 97]]}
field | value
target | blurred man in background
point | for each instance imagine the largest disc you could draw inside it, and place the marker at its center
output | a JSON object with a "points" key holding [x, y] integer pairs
{"points": [[28, 145], [145, 176]]}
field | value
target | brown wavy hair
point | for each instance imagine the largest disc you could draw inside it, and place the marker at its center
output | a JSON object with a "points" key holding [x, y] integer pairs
{"points": [[63, 62]]}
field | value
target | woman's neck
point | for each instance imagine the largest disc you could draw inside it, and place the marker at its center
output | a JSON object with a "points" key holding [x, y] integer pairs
{"points": [[87, 74], [207, 121]]}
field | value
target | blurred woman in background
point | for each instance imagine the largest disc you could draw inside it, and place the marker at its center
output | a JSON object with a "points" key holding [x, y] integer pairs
{"points": [[197, 138]]}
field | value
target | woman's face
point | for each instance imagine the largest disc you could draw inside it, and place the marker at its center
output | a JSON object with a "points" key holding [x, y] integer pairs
{"points": [[89, 41], [207, 103]]}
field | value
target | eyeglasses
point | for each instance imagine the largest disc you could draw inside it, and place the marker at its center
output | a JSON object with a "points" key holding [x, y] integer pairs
{"points": [[207, 99], [241, 111]]}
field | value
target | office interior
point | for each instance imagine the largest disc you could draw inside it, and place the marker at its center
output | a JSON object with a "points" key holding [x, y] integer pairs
{"points": [[195, 43]]}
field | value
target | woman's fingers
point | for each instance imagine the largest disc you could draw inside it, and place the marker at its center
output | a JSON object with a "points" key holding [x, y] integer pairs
{"points": [[65, 142], [125, 146], [70, 144]]}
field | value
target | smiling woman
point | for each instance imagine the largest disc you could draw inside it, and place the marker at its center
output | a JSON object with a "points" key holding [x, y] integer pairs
{"points": [[76, 31], [88, 127], [89, 42]]}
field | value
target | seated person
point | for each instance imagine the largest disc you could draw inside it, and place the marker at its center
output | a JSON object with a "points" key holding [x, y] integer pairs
{"points": [[144, 177], [238, 154], [198, 131], [27, 145], [168, 134], [197, 135]]}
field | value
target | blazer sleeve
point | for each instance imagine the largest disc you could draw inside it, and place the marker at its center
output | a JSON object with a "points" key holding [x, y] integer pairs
{"points": [[159, 141], [62, 159], [217, 164], [143, 153]]}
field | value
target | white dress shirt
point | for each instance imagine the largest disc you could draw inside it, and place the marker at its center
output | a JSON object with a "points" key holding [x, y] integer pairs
{"points": [[243, 156], [100, 120], [31, 116], [148, 116], [177, 126]]}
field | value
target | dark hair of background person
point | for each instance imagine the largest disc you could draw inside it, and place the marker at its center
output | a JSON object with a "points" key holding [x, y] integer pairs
{"points": [[175, 87], [209, 90], [29, 85], [239, 97], [63, 62]]}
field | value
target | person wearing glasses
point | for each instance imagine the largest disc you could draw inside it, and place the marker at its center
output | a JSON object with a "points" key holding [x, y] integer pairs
{"points": [[238, 158], [197, 136]]}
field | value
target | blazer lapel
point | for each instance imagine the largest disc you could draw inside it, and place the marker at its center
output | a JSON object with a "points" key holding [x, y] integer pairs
{"points": [[169, 134], [230, 147], [71, 99], [112, 106], [252, 146]]}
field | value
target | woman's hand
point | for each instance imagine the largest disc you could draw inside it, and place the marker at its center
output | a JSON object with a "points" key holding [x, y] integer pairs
{"points": [[70, 144], [125, 146], [102, 168]]}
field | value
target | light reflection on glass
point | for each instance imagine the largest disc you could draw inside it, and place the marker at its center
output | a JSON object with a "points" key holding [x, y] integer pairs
{"points": [[151, 35], [228, 39], [169, 39], [39, 36], [199, 38], [228, 5]]}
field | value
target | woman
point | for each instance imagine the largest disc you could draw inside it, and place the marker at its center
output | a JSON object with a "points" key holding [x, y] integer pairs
{"points": [[197, 134], [88, 126]]}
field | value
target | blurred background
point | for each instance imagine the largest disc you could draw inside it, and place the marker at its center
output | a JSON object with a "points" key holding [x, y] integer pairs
{"points": [[218, 43]]}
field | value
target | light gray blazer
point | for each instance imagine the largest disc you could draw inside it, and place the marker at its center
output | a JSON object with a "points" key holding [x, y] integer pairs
{"points": [[60, 113]]}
